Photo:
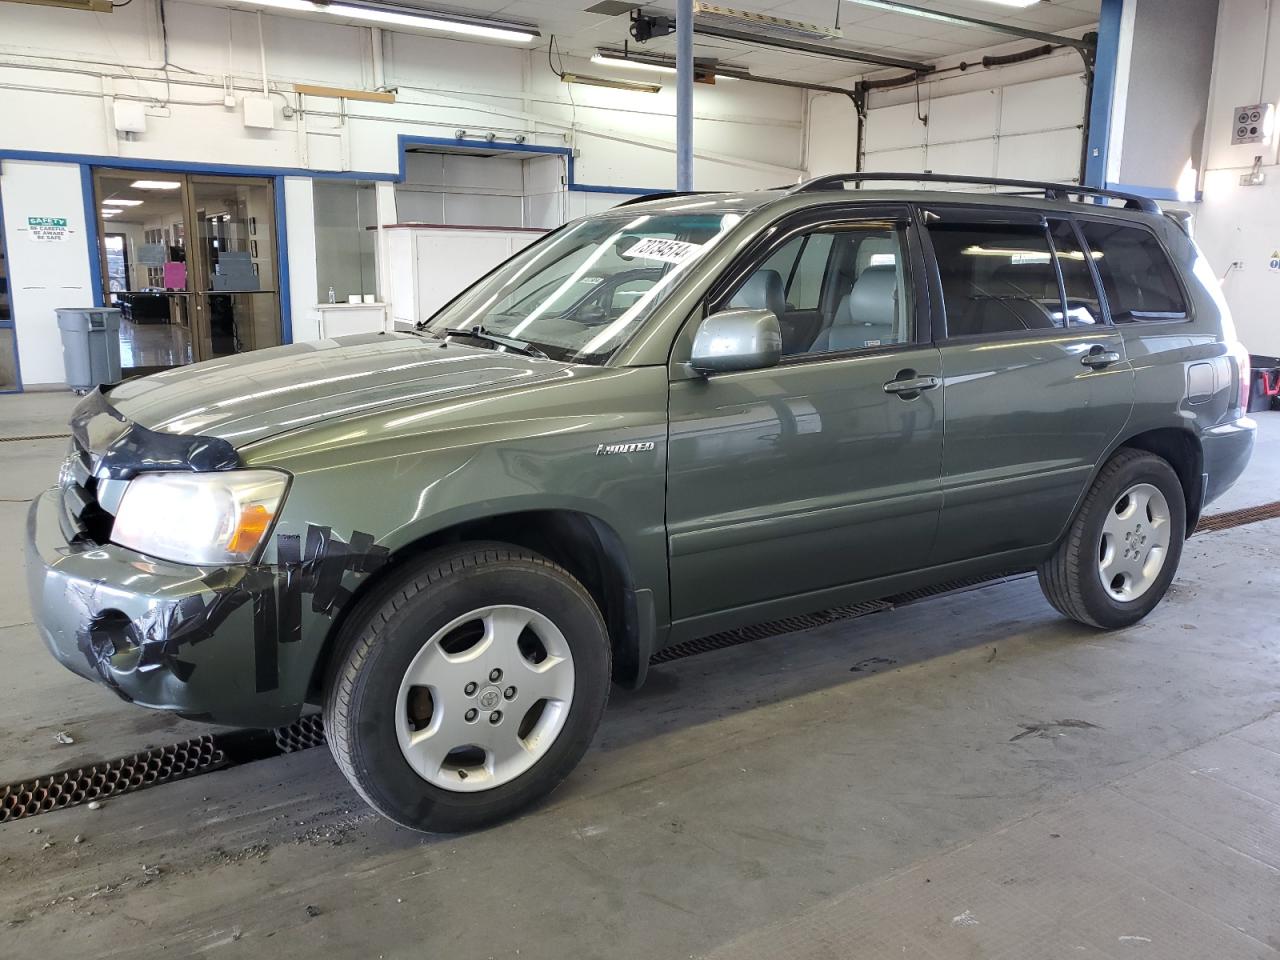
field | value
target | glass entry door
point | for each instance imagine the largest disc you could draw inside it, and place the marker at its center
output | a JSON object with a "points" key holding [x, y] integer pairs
{"points": [[190, 260], [233, 265]]}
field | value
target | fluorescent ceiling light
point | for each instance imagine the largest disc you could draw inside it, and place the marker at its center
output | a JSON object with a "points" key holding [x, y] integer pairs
{"points": [[607, 60], [120, 202], [1013, 3], [404, 17], [703, 70], [589, 81], [155, 184]]}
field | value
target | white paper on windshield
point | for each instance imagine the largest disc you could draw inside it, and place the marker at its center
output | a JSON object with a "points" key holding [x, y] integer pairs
{"points": [[666, 251]]}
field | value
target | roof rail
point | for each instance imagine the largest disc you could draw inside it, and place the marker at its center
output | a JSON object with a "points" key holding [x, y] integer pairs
{"points": [[661, 195], [1051, 191]]}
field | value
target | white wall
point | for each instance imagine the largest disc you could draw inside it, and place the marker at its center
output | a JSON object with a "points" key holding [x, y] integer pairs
{"points": [[43, 275], [1236, 224], [62, 71], [746, 134]]}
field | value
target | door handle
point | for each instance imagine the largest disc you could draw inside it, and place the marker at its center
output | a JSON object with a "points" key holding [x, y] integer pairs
{"points": [[1098, 358], [908, 386]]}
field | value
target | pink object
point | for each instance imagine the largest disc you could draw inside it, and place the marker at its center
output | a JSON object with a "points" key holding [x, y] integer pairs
{"points": [[175, 275]]}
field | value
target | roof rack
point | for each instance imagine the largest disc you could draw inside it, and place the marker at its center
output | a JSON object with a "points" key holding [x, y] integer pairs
{"points": [[661, 195], [1051, 191]]}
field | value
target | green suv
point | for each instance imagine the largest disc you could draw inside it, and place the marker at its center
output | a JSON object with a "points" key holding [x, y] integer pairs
{"points": [[681, 416]]}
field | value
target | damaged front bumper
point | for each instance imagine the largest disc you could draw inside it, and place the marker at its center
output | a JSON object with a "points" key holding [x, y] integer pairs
{"points": [[192, 640]]}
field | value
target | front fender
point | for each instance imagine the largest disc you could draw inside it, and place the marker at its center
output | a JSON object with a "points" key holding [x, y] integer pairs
{"points": [[594, 446]]}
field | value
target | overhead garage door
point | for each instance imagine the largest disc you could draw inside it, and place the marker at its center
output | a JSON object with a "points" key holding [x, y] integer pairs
{"points": [[1029, 131]]}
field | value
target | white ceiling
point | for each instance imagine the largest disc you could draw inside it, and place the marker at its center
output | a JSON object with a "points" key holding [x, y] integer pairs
{"points": [[867, 29]]}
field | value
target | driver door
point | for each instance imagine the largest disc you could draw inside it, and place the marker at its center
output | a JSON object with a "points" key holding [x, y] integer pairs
{"points": [[792, 482]]}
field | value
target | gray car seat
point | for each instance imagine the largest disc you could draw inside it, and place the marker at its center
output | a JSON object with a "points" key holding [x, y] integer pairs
{"points": [[867, 315], [762, 291]]}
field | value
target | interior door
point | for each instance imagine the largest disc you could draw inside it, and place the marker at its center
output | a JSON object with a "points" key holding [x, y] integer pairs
{"points": [[142, 229], [1038, 385], [233, 265], [793, 480]]}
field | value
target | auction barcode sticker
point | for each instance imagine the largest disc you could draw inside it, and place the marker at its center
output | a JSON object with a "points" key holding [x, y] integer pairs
{"points": [[667, 251]]}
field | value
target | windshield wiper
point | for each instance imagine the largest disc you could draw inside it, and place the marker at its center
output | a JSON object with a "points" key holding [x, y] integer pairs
{"points": [[480, 333]]}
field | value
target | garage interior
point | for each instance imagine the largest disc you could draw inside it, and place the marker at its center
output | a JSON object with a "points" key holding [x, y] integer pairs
{"points": [[951, 773]]}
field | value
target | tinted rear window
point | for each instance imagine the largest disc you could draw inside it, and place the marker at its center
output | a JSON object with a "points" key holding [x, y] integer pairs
{"points": [[1139, 280]]}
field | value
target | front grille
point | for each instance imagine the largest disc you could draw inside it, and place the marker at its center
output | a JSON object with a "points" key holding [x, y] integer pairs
{"points": [[83, 518]]}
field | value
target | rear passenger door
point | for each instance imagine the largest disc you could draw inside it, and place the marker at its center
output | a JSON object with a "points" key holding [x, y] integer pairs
{"points": [[1037, 383]]}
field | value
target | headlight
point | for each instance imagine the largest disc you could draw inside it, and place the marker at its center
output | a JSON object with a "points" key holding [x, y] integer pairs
{"points": [[199, 518]]}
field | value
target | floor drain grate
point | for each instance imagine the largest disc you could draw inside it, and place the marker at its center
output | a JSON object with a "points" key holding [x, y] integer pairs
{"points": [[774, 628], [303, 734], [1238, 518], [109, 778], [924, 593]]}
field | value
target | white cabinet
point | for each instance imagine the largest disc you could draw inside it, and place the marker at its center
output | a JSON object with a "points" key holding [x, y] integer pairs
{"points": [[430, 265]]}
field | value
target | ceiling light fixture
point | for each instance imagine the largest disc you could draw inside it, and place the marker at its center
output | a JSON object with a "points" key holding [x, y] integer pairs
{"points": [[155, 184], [405, 17], [618, 60], [704, 70], [589, 81], [121, 202]]}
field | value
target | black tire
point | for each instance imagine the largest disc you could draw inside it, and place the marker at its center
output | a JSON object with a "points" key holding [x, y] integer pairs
{"points": [[1070, 579], [389, 628]]}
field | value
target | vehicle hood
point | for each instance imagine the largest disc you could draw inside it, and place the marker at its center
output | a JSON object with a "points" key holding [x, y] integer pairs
{"points": [[257, 395]]}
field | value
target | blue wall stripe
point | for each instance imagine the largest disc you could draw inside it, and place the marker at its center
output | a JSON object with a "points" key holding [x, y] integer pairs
{"points": [[1104, 88]]}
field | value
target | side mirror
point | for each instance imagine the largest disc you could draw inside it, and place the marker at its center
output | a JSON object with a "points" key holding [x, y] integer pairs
{"points": [[737, 340]]}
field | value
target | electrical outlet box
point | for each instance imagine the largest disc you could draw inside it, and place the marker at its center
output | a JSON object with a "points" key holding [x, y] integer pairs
{"points": [[129, 116], [1252, 123], [259, 113]]}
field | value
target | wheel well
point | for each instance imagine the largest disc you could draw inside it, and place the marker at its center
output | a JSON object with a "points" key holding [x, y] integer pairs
{"points": [[584, 545], [1181, 449]]}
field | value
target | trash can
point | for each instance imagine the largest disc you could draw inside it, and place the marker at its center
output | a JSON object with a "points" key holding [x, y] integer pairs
{"points": [[90, 345]]}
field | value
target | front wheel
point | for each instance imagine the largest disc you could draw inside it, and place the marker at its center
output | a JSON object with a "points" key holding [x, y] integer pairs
{"points": [[1122, 550], [467, 687]]}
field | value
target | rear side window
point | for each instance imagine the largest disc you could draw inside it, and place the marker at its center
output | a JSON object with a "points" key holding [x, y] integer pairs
{"points": [[996, 278], [1137, 276]]}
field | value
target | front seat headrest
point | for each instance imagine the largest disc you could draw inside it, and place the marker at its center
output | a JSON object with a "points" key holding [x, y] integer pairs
{"points": [[762, 291]]}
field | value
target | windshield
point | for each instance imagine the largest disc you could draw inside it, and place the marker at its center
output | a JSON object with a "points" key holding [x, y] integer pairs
{"points": [[583, 292]]}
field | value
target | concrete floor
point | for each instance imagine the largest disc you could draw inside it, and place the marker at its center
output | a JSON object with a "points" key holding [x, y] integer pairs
{"points": [[968, 777]]}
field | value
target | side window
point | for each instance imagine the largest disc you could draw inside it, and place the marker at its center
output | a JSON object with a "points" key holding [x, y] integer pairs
{"points": [[996, 278], [835, 289], [804, 289], [1137, 276], [1083, 306]]}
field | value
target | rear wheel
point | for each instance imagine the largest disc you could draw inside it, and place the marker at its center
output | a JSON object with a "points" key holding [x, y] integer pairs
{"points": [[1122, 550], [467, 687]]}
